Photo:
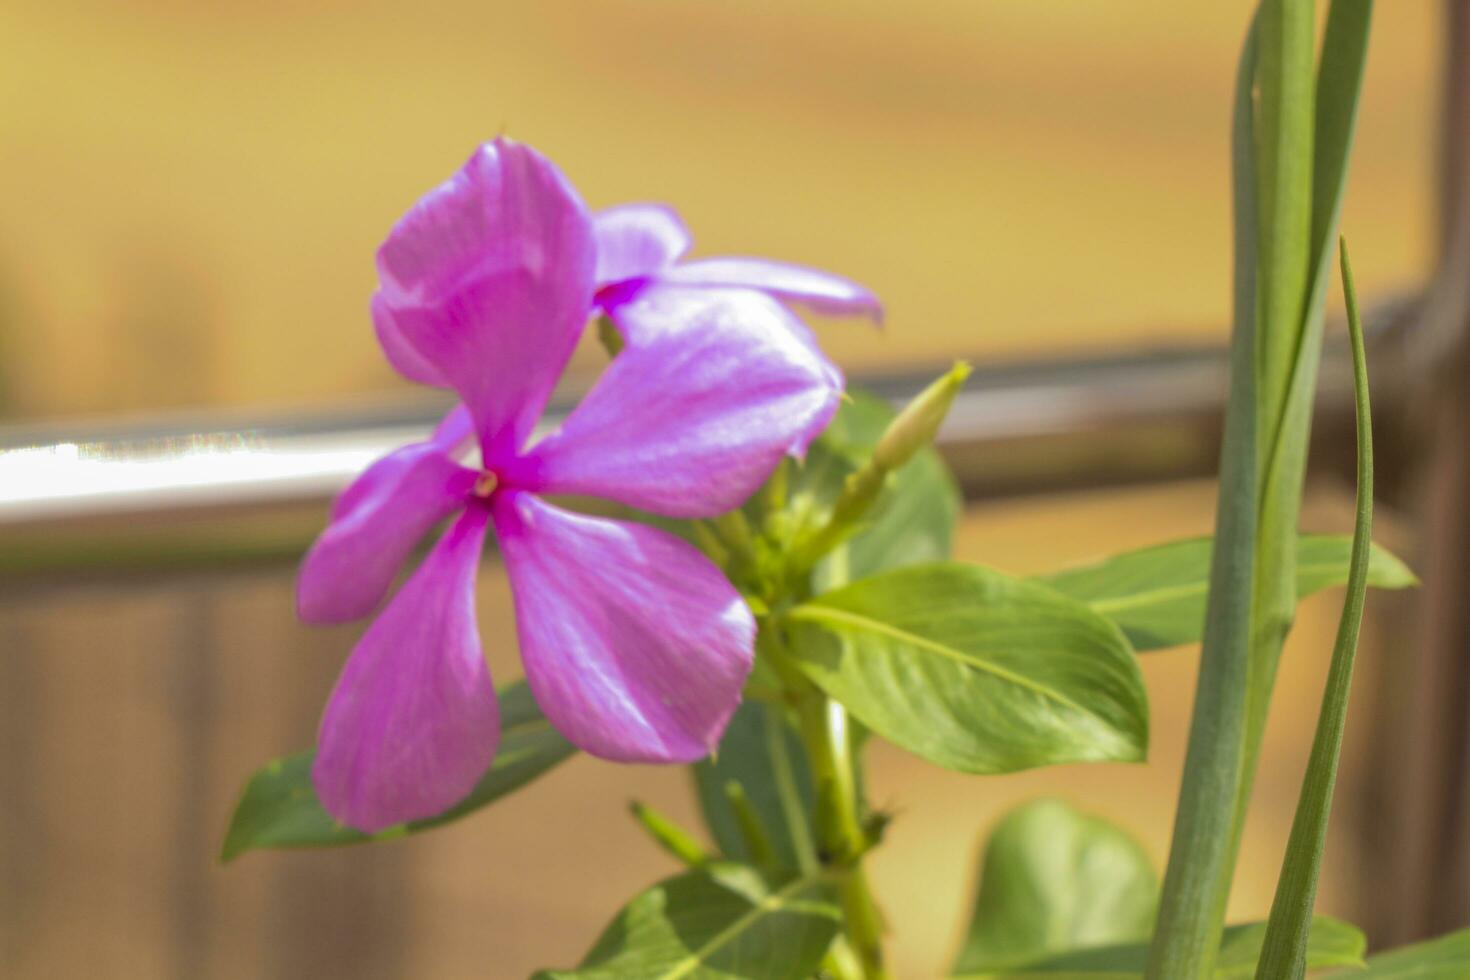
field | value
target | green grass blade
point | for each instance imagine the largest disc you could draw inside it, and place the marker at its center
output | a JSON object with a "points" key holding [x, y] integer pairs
{"points": [[1291, 147], [1284, 459], [1284, 134], [1287, 419], [1191, 914], [1284, 952], [1339, 82]]}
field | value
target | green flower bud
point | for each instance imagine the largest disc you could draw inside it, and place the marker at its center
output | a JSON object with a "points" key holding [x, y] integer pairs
{"points": [[920, 419]]}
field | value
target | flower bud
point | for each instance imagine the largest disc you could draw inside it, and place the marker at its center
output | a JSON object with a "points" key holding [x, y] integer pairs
{"points": [[916, 426]]}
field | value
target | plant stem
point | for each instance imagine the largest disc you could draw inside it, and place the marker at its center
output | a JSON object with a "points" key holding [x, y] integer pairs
{"points": [[787, 794], [841, 839]]}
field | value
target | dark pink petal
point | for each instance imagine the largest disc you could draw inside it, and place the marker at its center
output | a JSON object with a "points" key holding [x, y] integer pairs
{"points": [[636, 240], [376, 522], [635, 645], [486, 285], [712, 389], [412, 723], [817, 290]]}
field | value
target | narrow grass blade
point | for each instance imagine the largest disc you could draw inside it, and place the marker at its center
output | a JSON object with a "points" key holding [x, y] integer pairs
{"points": [[1284, 458], [1283, 158], [1287, 420], [1284, 952], [1191, 913]]}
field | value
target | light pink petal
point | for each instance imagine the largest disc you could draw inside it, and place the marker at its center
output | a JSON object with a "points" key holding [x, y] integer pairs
{"points": [[412, 724], [376, 522], [636, 240], [635, 645], [712, 389], [404, 358], [486, 286], [454, 429], [820, 291]]}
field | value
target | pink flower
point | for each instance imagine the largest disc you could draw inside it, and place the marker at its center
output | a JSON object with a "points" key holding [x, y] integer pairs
{"points": [[639, 246], [635, 645]]}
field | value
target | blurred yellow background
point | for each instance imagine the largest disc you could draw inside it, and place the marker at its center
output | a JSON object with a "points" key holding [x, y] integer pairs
{"points": [[192, 194]]}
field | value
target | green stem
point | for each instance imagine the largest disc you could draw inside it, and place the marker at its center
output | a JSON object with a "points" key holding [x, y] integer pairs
{"points": [[757, 840], [787, 795], [841, 840], [669, 835]]}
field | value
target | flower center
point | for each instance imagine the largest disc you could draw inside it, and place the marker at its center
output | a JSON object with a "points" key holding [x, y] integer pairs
{"points": [[485, 485]]}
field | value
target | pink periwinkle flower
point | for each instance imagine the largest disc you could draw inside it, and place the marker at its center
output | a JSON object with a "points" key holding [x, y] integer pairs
{"points": [[635, 645]]}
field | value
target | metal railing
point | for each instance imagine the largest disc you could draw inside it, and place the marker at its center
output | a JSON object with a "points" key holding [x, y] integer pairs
{"points": [[192, 492]]}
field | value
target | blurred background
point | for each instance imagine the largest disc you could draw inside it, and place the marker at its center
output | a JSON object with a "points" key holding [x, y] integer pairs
{"points": [[190, 198]]}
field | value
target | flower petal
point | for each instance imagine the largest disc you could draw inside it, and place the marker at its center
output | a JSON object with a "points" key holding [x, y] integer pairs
{"points": [[635, 645], [713, 388], [376, 522], [820, 291], [635, 240], [453, 429], [402, 355], [412, 723], [486, 286]]}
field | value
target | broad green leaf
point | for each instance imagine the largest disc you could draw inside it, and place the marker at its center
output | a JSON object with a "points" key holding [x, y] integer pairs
{"points": [[912, 522], [762, 753], [1054, 879], [1332, 944], [975, 670], [719, 923], [1284, 953], [279, 808], [1157, 595], [1445, 958]]}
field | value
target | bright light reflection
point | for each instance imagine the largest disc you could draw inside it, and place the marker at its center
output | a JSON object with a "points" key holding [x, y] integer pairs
{"points": [[53, 479]]}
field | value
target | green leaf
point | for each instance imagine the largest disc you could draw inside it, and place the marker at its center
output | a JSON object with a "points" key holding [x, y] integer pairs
{"points": [[1445, 958], [975, 670], [717, 923], [1332, 943], [1054, 879], [1201, 854], [279, 808], [761, 752], [913, 521], [1276, 344], [1157, 595], [1296, 890]]}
